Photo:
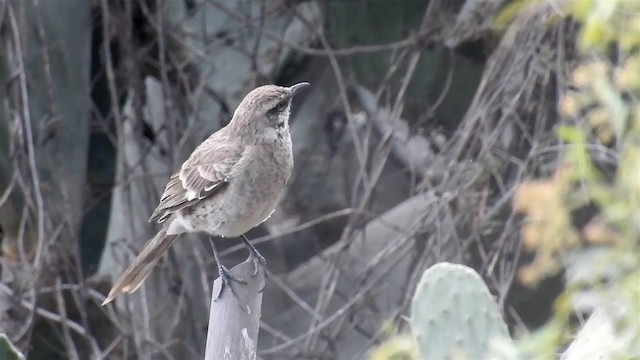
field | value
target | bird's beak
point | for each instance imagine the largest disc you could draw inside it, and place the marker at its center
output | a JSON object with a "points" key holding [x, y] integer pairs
{"points": [[295, 88]]}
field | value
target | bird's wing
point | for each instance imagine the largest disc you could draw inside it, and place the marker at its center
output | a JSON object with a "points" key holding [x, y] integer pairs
{"points": [[206, 172]]}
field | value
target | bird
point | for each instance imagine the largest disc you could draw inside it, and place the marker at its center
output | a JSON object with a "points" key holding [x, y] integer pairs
{"points": [[229, 184]]}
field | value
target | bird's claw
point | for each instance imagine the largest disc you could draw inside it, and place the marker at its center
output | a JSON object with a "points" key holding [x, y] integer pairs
{"points": [[260, 264], [227, 279]]}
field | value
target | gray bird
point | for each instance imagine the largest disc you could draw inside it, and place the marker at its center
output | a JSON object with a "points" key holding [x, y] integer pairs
{"points": [[231, 183]]}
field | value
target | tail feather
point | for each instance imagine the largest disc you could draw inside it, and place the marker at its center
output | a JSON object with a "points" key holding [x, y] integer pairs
{"points": [[142, 265]]}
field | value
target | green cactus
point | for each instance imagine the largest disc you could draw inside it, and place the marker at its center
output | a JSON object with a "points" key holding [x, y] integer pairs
{"points": [[7, 350], [453, 315]]}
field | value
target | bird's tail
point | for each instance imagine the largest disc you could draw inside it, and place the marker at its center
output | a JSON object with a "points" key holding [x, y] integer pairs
{"points": [[142, 265]]}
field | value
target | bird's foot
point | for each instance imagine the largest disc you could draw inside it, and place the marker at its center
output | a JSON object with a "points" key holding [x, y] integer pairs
{"points": [[259, 262], [227, 279], [260, 265]]}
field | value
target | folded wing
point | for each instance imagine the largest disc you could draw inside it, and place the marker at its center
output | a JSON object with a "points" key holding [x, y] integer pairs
{"points": [[205, 173]]}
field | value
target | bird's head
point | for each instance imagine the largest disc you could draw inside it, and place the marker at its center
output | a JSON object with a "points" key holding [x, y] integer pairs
{"points": [[264, 112]]}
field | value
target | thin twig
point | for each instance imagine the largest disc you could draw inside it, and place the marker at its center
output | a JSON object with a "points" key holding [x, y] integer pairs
{"points": [[72, 352]]}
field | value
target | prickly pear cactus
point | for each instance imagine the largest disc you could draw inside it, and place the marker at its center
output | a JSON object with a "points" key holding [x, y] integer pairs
{"points": [[7, 350], [453, 315]]}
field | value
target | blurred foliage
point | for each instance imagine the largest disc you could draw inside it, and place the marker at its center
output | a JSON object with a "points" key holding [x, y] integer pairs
{"points": [[600, 114], [7, 350], [548, 228], [600, 125], [399, 347]]}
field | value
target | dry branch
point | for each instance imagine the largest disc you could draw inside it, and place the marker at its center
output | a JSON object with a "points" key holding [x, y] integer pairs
{"points": [[206, 61], [368, 243], [368, 276], [413, 150], [471, 21], [378, 261]]}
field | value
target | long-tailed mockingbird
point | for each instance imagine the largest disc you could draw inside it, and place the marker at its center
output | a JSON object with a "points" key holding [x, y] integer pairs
{"points": [[230, 183]]}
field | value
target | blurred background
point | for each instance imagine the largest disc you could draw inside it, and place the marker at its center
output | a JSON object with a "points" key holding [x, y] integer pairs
{"points": [[504, 135]]}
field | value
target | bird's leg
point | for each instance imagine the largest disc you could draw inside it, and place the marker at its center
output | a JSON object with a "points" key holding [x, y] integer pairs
{"points": [[258, 260], [225, 277]]}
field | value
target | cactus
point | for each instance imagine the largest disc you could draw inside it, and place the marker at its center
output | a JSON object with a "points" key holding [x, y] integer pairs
{"points": [[7, 350], [454, 316]]}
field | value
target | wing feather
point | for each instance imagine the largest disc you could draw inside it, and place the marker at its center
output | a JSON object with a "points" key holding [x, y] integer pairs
{"points": [[206, 172]]}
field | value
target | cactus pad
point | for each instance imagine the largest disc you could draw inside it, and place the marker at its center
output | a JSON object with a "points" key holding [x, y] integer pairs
{"points": [[454, 316]]}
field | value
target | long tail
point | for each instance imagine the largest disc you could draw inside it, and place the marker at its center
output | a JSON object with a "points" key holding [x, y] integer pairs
{"points": [[142, 265]]}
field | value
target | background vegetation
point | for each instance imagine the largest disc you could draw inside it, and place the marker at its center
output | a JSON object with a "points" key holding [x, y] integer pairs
{"points": [[503, 135]]}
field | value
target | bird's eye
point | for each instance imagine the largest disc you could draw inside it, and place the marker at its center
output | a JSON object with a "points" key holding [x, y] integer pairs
{"points": [[281, 106]]}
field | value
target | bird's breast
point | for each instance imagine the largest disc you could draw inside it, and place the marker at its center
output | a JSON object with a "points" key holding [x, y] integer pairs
{"points": [[267, 170], [252, 194]]}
